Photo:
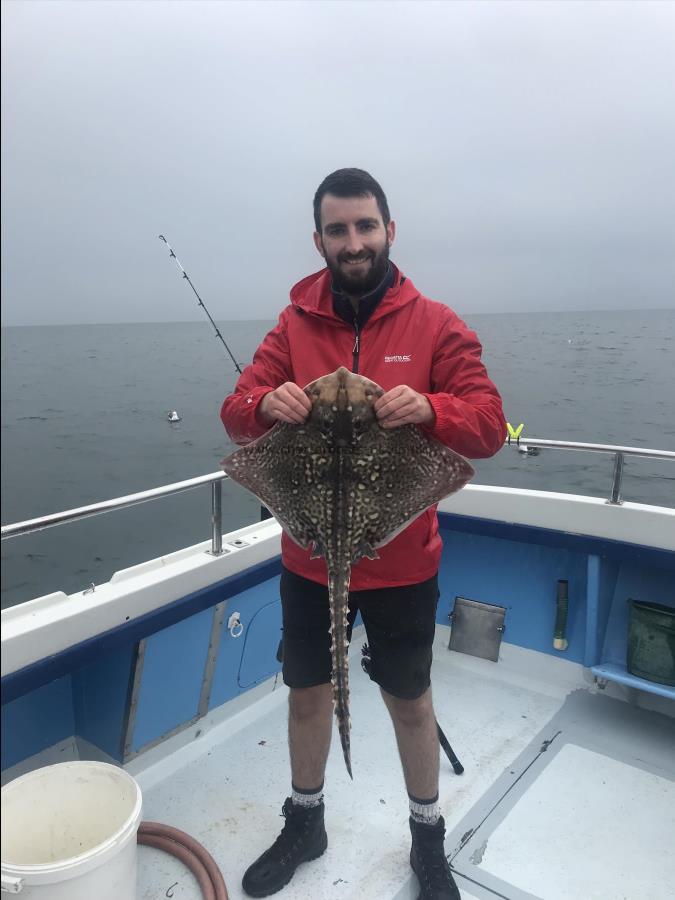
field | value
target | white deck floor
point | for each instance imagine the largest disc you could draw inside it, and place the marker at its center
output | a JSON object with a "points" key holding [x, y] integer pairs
{"points": [[590, 819]]}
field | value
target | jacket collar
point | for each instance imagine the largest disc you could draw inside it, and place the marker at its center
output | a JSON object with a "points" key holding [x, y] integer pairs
{"points": [[343, 308], [314, 294]]}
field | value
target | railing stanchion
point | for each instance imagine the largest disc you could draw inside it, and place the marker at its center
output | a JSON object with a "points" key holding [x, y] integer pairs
{"points": [[216, 518], [616, 479]]}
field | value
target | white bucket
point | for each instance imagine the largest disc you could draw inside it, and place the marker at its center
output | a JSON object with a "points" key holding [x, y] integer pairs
{"points": [[69, 833]]}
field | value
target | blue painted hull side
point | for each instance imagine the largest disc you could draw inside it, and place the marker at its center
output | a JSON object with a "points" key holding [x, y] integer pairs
{"points": [[86, 690], [523, 579]]}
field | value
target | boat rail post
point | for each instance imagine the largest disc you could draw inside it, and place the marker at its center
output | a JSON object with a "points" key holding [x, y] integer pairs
{"points": [[615, 497], [217, 518]]}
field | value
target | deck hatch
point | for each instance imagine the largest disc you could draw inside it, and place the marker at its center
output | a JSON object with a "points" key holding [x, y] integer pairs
{"points": [[581, 825]]}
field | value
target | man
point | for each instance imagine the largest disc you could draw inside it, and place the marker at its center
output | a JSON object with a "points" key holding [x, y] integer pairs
{"points": [[363, 313]]}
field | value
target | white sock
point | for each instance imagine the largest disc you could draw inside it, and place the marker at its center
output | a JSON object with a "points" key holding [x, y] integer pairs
{"points": [[307, 798], [428, 812]]}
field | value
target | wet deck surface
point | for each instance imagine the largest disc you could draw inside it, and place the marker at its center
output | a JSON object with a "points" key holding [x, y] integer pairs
{"points": [[566, 794]]}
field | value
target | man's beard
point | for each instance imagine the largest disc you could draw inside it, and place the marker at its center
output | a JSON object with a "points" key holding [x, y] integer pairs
{"points": [[356, 284]]}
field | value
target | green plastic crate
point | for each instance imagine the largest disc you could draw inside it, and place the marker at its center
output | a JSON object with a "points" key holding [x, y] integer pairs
{"points": [[651, 641]]}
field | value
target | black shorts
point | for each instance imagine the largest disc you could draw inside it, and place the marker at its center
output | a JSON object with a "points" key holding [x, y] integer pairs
{"points": [[400, 623]]}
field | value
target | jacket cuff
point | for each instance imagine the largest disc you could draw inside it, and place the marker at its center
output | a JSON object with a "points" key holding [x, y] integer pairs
{"points": [[437, 409], [250, 425]]}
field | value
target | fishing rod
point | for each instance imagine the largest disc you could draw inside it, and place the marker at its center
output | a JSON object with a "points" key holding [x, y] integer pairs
{"points": [[200, 301]]}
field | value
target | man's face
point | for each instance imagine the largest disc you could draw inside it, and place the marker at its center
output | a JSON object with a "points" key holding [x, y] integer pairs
{"points": [[354, 242]]}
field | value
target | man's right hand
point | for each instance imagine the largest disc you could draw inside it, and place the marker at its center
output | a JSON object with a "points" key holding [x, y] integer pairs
{"points": [[288, 403]]}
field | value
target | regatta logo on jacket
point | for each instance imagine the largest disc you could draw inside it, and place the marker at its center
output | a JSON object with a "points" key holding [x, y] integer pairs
{"points": [[406, 358]]}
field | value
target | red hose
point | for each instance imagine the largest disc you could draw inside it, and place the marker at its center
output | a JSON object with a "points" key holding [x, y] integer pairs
{"points": [[189, 851]]}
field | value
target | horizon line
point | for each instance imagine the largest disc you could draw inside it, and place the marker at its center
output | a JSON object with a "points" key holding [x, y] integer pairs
{"points": [[513, 312]]}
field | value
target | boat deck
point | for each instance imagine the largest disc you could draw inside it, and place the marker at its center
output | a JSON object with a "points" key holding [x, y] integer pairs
{"points": [[567, 793]]}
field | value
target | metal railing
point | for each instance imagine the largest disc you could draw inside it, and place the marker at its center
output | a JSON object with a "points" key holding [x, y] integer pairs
{"points": [[216, 478], [96, 509], [620, 453]]}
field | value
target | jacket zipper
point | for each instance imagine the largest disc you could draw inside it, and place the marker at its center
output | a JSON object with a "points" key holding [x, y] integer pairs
{"points": [[356, 349]]}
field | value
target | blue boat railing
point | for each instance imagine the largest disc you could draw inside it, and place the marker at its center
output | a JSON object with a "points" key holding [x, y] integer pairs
{"points": [[215, 479]]}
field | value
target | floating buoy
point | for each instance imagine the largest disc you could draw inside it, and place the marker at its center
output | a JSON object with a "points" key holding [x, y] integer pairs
{"points": [[173, 416]]}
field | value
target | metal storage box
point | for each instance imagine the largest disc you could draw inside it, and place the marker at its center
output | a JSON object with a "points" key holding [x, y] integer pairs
{"points": [[477, 628]]}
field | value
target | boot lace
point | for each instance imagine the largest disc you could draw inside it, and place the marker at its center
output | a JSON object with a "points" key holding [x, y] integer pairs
{"points": [[295, 827], [436, 870], [435, 875]]}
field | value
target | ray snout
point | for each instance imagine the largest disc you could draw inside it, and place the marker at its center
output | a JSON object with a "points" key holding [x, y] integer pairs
{"points": [[343, 389]]}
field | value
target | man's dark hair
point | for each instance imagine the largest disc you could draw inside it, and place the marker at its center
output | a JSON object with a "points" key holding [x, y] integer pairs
{"points": [[350, 183]]}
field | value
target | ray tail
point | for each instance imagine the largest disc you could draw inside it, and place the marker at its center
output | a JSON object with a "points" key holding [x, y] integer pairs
{"points": [[338, 598]]}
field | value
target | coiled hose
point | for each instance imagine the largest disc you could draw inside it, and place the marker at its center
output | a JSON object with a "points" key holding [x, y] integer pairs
{"points": [[190, 852]]}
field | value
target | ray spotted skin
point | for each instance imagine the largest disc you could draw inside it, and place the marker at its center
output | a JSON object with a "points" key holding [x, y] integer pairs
{"points": [[344, 486]]}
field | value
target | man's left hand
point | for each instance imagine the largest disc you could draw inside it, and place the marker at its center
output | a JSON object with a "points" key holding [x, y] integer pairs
{"points": [[403, 406]]}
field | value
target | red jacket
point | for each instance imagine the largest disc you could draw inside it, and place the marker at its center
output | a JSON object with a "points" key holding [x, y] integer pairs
{"points": [[408, 339]]}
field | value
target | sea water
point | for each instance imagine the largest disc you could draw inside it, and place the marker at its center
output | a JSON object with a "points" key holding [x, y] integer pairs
{"points": [[85, 418]]}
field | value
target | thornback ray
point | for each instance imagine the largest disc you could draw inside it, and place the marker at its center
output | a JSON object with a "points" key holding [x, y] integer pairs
{"points": [[342, 486]]}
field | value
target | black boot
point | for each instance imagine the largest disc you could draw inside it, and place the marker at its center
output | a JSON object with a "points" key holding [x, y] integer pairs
{"points": [[302, 838], [429, 863]]}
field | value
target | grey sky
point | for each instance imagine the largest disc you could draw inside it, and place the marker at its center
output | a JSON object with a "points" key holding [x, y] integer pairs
{"points": [[525, 148]]}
